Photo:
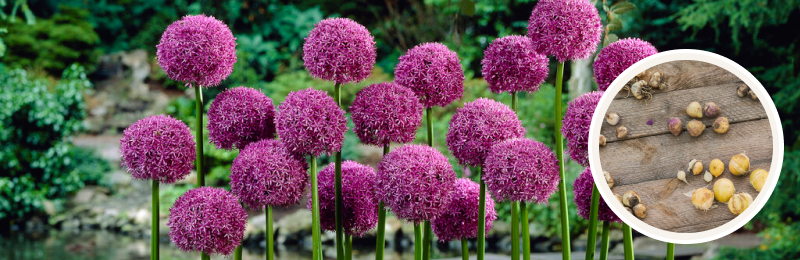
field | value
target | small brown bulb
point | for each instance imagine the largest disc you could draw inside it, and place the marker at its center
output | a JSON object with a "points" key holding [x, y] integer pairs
{"points": [[752, 94], [742, 90], [640, 210], [619, 198], [609, 180], [602, 140], [637, 89], [655, 80], [702, 198], [630, 198], [694, 110], [695, 128], [739, 203], [695, 167], [723, 190], [612, 118], [716, 167], [675, 126], [711, 109], [739, 164], [721, 125], [758, 178], [622, 132]]}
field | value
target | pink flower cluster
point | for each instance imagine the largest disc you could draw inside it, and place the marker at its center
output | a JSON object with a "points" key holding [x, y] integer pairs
{"points": [[384, 113], [158, 148], [477, 126], [511, 64], [197, 49], [208, 220], [521, 170], [618, 56], [266, 174], [565, 29], [582, 189], [309, 122], [460, 220], [340, 50], [358, 196], [240, 116], [433, 72], [575, 125]]}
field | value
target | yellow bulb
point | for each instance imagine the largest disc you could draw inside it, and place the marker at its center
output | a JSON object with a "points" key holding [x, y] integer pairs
{"points": [[723, 190], [758, 178]]}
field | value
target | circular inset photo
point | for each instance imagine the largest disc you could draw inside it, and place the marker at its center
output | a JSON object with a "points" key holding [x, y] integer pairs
{"points": [[686, 146]]}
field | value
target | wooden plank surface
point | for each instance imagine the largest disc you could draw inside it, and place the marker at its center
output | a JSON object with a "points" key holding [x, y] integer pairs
{"points": [[647, 161]]}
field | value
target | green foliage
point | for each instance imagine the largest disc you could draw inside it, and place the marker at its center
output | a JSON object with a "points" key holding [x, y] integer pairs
{"points": [[780, 242], [37, 119]]}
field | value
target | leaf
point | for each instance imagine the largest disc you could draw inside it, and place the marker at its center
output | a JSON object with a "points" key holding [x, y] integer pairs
{"points": [[614, 24], [467, 7], [611, 38], [622, 8]]}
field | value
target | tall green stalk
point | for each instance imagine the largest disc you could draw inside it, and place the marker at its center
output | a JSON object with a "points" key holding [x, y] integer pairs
{"points": [[593, 211], [201, 178], [348, 247], [562, 186], [514, 230], [417, 242], [526, 237], [627, 237], [315, 224], [270, 235], [481, 217], [670, 251], [338, 186], [237, 254], [380, 240], [426, 240], [604, 244], [154, 223], [464, 249]]}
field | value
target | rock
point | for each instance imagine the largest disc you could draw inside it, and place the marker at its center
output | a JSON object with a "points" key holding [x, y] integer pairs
{"points": [[119, 179], [294, 227], [142, 217], [49, 207], [90, 194]]}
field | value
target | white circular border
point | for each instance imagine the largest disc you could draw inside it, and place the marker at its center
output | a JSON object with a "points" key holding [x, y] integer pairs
{"points": [[777, 147]]}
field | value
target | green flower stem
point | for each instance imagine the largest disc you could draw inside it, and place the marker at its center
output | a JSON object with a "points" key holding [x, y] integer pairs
{"points": [[338, 187], [380, 240], [670, 251], [593, 211], [201, 178], [627, 237], [526, 237], [154, 223], [562, 186], [604, 244], [237, 255], [464, 249], [204, 256], [315, 224], [426, 241], [481, 217], [514, 230], [348, 247], [270, 236], [428, 116], [417, 242]]}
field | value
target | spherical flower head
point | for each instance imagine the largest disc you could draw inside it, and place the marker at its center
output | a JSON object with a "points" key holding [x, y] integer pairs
{"points": [[575, 125], [311, 123], [266, 174], [565, 29], [477, 126], [511, 64], [460, 220], [240, 116], [416, 182], [340, 50], [158, 148], [197, 49], [618, 56], [582, 189], [521, 170], [208, 220], [433, 72], [358, 197], [384, 113]]}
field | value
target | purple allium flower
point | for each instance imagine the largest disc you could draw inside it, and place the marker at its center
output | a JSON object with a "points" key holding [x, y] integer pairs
{"points": [[197, 49], [240, 116], [460, 220], [416, 182], [510, 64], [433, 72], [311, 123], [266, 174], [340, 50], [158, 148], [521, 170], [582, 189], [618, 56], [358, 196], [208, 220], [384, 113], [565, 29], [477, 126], [575, 125]]}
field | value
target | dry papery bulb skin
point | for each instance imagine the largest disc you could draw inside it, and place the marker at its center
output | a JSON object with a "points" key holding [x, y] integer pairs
{"points": [[609, 180], [752, 94], [602, 140], [695, 167], [708, 177], [723, 190], [682, 176], [619, 198], [630, 198], [657, 81], [612, 118], [742, 90], [702, 198], [711, 109], [638, 89], [695, 128], [716, 167], [675, 126], [758, 178], [640, 210], [721, 125], [622, 132], [739, 203], [694, 110], [739, 164]]}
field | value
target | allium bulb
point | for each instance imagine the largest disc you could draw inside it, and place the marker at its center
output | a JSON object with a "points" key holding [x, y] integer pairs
{"points": [[240, 116], [433, 72], [358, 197], [521, 170], [460, 220], [386, 113], [477, 126], [565, 29], [208, 220], [309, 122], [339, 50], [618, 56], [510, 64], [197, 49], [582, 189], [158, 148], [575, 125], [266, 174]]}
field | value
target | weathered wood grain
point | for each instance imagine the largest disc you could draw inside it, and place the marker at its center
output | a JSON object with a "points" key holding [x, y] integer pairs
{"points": [[685, 74]]}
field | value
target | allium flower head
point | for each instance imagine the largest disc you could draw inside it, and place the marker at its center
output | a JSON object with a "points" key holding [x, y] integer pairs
{"points": [[240, 116], [618, 56], [158, 148], [565, 29], [197, 49], [460, 220], [477, 126], [358, 196], [384, 113], [208, 220], [575, 125], [582, 188], [510, 64], [416, 182], [433, 72], [521, 170], [311, 123], [266, 174], [340, 50]]}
